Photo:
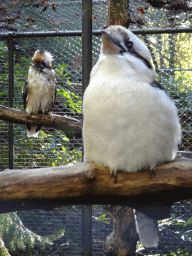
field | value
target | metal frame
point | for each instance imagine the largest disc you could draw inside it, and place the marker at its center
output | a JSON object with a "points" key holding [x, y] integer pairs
{"points": [[94, 32], [86, 69]]}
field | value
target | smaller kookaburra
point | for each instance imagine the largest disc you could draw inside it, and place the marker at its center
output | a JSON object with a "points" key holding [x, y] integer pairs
{"points": [[40, 89]]}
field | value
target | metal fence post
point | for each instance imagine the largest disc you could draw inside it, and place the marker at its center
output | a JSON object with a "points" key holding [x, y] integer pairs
{"points": [[11, 47], [86, 69]]}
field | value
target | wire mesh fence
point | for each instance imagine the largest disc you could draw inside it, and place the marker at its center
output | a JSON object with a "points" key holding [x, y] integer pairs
{"points": [[58, 232]]}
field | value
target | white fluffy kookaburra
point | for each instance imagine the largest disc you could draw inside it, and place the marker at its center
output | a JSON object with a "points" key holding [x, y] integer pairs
{"points": [[130, 122], [40, 89]]}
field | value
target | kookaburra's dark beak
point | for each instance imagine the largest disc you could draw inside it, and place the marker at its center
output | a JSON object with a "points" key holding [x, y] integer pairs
{"points": [[111, 45]]}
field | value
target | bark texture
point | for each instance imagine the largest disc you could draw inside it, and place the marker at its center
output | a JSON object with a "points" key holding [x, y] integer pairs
{"points": [[118, 13], [123, 240], [90, 179], [70, 126]]}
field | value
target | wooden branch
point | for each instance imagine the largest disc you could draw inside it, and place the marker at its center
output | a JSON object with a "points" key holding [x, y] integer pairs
{"points": [[91, 183], [70, 126]]}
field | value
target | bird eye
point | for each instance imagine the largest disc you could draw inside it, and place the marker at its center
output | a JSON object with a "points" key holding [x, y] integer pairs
{"points": [[128, 44]]}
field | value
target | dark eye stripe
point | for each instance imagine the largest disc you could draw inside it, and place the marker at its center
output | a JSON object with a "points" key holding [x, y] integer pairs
{"points": [[147, 63], [129, 46], [158, 85]]}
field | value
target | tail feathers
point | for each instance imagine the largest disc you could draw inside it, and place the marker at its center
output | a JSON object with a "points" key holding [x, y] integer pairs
{"points": [[33, 131], [147, 230]]}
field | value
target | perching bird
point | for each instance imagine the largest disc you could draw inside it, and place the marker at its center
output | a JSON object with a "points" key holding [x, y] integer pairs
{"points": [[40, 90], [130, 122]]}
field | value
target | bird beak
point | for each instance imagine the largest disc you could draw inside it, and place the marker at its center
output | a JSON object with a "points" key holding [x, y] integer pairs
{"points": [[111, 45]]}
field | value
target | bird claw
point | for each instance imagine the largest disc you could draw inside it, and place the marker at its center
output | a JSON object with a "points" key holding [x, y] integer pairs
{"points": [[114, 174], [50, 115], [152, 172], [29, 114]]}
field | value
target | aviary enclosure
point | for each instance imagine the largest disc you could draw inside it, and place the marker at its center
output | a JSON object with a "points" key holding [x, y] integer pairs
{"points": [[57, 27]]}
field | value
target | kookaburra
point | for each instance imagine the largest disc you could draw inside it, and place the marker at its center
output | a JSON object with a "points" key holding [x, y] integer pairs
{"points": [[130, 122], [40, 89]]}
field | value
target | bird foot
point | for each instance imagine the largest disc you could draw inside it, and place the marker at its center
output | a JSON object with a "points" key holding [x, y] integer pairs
{"points": [[32, 115], [114, 174], [152, 172], [50, 115]]}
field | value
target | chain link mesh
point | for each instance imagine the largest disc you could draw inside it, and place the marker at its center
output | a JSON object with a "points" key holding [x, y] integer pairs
{"points": [[58, 232]]}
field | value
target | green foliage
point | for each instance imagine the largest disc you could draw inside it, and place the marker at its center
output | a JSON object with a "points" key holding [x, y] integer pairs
{"points": [[71, 99], [16, 236], [173, 51], [104, 219], [46, 150], [183, 223], [179, 252], [186, 230], [189, 222], [173, 62], [60, 71], [3, 49], [20, 76], [3, 75]]}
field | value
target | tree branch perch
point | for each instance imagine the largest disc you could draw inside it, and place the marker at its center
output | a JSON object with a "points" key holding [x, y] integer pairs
{"points": [[89, 182], [70, 126]]}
